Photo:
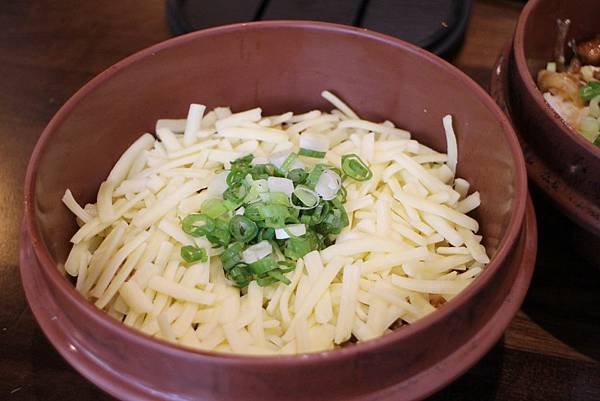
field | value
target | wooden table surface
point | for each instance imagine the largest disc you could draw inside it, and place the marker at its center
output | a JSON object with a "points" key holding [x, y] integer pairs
{"points": [[48, 49]]}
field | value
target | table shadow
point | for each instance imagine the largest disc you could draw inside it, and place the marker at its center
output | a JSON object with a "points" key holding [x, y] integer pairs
{"points": [[53, 379], [564, 297], [480, 382]]}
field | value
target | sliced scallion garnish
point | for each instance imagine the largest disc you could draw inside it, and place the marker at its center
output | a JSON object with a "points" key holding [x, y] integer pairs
{"points": [[311, 153], [355, 168], [288, 162], [242, 228], [214, 208], [271, 215], [590, 91], [307, 196], [314, 175], [197, 225], [192, 254]]}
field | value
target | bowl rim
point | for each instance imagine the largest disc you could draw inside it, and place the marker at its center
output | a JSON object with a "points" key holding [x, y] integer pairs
{"points": [[58, 281], [523, 71]]}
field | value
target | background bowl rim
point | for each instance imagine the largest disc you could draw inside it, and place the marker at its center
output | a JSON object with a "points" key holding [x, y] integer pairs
{"points": [[531, 86], [58, 281]]}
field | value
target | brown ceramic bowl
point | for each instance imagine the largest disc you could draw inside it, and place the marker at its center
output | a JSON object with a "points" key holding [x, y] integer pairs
{"points": [[568, 164], [279, 66]]}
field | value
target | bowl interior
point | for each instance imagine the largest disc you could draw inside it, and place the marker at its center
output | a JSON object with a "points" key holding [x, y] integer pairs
{"points": [[279, 67], [540, 29], [537, 33]]}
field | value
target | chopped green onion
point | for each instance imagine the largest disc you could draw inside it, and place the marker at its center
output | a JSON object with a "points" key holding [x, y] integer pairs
{"points": [[243, 161], [242, 228], [291, 230], [236, 176], [329, 185], [277, 275], [240, 275], [220, 236], [256, 188], [597, 141], [297, 175], [257, 251], [307, 196], [274, 215], [355, 168], [253, 211], [342, 194], [312, 153], [264, 171], [266, 233], [191, 254], [590, 91], [334, 222], [236, 193], [265, 281], [232, 255], [214, 208], [551, 67], [263, 265], [297, 247], [197, 225], [314, 175], [278, 198], [279, 184], [316, 215], [287, 164]]}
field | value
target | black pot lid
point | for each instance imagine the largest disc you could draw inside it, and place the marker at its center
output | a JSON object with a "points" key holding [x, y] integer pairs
{"points": [[436, 25]]}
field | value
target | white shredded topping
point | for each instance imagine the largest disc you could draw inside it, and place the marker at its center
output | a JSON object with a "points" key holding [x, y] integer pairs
{"points": [[409, 247]]}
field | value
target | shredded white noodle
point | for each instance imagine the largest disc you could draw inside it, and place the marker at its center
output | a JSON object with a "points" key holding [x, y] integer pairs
{"points": [[409, 248]]}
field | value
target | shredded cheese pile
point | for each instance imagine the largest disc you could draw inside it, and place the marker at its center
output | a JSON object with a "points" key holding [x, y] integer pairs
{"points": [[409, 248]]}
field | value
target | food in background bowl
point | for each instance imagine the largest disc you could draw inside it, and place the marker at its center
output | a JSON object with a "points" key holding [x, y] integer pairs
{"points": [[573, 90], [284, 234]]}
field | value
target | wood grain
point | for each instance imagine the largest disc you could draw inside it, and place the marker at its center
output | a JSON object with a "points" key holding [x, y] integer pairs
{"points": [[48, 49]]}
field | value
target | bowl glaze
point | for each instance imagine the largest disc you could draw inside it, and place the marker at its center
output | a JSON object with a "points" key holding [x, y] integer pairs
{"points": [[279, 65]]}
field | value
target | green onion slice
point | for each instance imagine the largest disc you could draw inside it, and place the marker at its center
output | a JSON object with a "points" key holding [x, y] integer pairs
{"points": [[214, 208], [232, 255], [306, 196], [312, 153], [263, 265], [285, 166], [220, 236], [277, 275], [192, 254], [297, 175], [278, 198], [591, 90], [197, 225], [240, 275], [355, 168], [236, 193], [242, 228], [329, 185], [314, 175]]}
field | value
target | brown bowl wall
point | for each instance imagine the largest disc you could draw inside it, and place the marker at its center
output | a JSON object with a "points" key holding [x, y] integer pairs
{"points": [[279, 66], [567, 153]]}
